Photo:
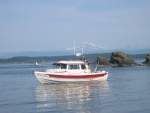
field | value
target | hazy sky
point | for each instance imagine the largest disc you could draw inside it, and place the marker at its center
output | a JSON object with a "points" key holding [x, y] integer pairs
{"points": [[41, 25]]}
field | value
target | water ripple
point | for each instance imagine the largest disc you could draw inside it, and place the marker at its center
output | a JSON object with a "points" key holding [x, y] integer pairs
{"points": [[73, 96]]}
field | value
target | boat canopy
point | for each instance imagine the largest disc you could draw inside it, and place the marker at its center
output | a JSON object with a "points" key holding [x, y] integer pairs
{"points": [[70, 62]]}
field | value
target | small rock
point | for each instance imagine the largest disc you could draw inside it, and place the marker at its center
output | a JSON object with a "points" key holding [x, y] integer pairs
{"points": [[102, 61], [147, 61]]}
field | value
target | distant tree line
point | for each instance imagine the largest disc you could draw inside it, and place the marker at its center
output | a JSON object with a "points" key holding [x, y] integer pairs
{"points": [[26, 59]]}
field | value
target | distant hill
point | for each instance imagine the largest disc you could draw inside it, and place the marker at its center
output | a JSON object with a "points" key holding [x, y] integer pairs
{"points": [[90, 57], [87, 50], [35, 54]]}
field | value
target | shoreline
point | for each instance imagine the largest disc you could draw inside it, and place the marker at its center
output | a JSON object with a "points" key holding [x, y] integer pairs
{"points": [[139, 59]]}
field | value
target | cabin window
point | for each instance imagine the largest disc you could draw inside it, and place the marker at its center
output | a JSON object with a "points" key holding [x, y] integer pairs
{"points": [[74, 67], [60, 66], [56, 66], [63, 66], [83, 66]]}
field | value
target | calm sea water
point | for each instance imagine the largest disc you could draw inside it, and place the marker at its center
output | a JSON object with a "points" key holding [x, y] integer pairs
{"points": [[126, 91]]}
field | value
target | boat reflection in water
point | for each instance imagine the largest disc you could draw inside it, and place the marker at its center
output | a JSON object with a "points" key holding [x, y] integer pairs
{"points": [[71, 97]]}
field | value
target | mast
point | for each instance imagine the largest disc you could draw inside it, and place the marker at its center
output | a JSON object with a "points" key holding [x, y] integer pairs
{"points": [[82, 50], [74, 48]]}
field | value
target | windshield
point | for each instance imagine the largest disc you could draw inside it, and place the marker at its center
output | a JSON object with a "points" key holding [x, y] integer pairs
{"points": [[60, 66]]}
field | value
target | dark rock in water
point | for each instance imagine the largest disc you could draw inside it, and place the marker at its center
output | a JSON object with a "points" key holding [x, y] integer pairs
{"points": [[121, 59], [117, 59], [103, 62], [147, 61]]}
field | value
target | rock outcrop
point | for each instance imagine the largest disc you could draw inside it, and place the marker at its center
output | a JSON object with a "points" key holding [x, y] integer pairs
{"points": [[103, 61], [121, 59], [147, 61]]}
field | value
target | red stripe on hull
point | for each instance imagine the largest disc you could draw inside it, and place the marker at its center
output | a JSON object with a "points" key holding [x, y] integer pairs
{"points": [[77, 76]]}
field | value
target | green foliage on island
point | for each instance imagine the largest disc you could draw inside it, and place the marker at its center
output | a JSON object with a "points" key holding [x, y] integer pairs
{"points": [[46, 59]]}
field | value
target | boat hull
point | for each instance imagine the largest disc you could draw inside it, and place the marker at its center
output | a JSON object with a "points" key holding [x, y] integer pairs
{"points": [[45, 77]]}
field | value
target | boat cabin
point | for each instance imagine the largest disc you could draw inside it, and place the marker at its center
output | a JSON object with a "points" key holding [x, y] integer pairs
{"points": [[71, 66]]}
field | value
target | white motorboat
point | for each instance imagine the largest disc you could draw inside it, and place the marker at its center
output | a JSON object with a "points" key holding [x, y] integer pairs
{"points": [[70, 71]]}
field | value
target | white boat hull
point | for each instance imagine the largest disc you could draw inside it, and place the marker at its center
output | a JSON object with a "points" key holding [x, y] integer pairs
{"points": [[45, 77]]}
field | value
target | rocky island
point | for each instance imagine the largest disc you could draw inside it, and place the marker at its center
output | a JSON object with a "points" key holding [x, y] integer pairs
{"points": [[147, 61], [119, 59]]}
